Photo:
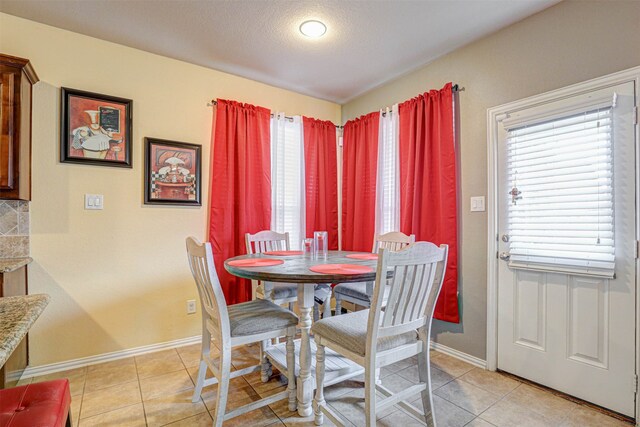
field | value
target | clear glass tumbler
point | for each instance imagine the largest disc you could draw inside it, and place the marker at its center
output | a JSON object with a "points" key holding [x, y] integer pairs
{"points": [[321, 241], [308, 247]]}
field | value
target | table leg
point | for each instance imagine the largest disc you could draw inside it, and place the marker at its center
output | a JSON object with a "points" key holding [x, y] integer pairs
{"points": [[305, 382]]}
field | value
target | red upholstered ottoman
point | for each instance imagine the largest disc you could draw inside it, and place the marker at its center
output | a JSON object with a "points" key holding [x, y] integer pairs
{"points": [[36, 405]]}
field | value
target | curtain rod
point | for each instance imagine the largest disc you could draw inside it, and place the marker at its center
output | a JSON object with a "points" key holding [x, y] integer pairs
{"points": [[214, 102], [455, 88]]}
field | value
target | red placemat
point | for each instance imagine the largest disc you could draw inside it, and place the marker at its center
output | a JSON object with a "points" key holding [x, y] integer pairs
{"points": [[365, 256], [341, 269], [255, 262], [283, 253]]}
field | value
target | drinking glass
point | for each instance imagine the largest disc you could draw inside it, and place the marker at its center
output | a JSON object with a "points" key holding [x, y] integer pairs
{"points": [[321, 241], [308, 247]]}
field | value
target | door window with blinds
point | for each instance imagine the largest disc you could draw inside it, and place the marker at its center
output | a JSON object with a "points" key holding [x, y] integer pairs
{"points": [[561, 199], [287, 177]]}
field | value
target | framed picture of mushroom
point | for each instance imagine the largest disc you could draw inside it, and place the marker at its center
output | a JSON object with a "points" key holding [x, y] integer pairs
{"points": [[172, 173], [95, 129]]}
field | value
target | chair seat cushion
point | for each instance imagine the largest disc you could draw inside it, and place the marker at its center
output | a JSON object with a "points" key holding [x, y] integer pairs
{"points": [[322, 291], [357, 290], [258, 316], [290, 290], [350, 332], [280, 290], [43, 404]]}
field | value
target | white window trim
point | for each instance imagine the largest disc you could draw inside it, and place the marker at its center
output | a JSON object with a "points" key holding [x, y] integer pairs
{"points": [[494, 116], [279, 124], [387, 205]]}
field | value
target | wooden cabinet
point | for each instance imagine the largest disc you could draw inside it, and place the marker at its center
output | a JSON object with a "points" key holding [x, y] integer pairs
{"points": [[16, 78], [12, 284]]}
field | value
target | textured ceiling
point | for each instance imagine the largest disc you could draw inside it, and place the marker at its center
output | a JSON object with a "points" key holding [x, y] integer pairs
{"points": [[367, 42]]}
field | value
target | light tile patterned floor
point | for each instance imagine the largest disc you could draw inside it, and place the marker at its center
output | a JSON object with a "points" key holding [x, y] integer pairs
{"points": [[155, 390]]}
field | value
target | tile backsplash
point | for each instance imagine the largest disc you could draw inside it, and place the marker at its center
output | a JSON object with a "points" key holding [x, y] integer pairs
{"points": [[14, 228]]}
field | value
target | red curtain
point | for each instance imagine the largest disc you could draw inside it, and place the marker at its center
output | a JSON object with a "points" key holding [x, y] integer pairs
{"points": [[321, 176], [359, 169], [240, 187], [428, 187]]}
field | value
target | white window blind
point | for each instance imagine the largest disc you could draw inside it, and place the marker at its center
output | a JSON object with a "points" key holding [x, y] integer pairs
{"points": [[388, 176], [561, 203], [287, 178]]}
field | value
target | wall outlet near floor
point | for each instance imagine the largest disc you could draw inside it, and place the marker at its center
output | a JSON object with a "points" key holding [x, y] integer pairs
{"points": [[477, 204], [191, 306]]}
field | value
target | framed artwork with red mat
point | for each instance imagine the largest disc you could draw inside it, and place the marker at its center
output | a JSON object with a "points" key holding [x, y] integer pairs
{"points": [[95, 129], [172, 173]]}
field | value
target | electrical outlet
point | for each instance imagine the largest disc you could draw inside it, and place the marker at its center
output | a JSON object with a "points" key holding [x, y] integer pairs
{"points": [[191, 306]]}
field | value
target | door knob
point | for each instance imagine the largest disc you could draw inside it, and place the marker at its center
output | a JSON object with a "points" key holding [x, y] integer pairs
{"points": [[504, 256], [505, 238]]}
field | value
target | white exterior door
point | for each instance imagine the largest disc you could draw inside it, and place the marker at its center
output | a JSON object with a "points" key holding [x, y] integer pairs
{"points": [[566, 222]]}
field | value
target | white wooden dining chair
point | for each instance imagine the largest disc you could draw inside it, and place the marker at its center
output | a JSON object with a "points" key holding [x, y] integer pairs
{"points": [[282, 293], [374, 338], [360, 293], [239, 324], [265, 241]]}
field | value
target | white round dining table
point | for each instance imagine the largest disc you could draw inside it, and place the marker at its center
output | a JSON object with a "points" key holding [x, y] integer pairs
{"points": [[296, 269]]}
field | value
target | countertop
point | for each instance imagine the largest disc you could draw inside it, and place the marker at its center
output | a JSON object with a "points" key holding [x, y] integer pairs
{"points": [[17, 315], [7, 265]]}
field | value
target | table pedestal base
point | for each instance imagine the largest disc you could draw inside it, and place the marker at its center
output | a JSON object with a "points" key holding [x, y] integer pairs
{"points": [[337, 367]]}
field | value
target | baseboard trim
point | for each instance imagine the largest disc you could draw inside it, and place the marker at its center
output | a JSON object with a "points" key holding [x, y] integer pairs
{"points": [[37, 371], [475, 361], [137, 351]]}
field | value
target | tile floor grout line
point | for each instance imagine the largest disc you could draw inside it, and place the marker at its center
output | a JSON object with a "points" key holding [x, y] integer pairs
{"points": [[482, 419], [569, 398], [194, 384], [144, 409], [459, 377], [483, 389], [527, 409], [84, 384], [562, 422], [495, 403], [111, 410], [351, 424], [108, 410]]}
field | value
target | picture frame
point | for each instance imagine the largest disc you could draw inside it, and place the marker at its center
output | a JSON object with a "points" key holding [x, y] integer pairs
{"points": [[172, 173], [95, 129]]}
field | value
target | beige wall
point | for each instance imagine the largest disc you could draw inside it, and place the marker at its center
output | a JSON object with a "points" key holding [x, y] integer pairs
{"points": [[118, 278], [568, 43]]}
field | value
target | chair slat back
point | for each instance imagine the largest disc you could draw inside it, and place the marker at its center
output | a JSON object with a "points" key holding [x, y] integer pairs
{"points": [[418, 273], [394, 241], [265, 241], [214, 305]]}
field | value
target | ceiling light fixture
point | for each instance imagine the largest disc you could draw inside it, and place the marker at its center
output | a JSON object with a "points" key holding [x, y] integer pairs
{"points": [[313, 28]]}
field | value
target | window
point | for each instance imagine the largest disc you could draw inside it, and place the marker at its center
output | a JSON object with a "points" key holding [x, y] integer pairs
{"points": [[560, 207], [287, 178], [388, 177]]}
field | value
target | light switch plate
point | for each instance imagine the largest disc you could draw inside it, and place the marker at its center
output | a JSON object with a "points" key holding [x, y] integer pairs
{"points": [[477, 204], [94, 201]]}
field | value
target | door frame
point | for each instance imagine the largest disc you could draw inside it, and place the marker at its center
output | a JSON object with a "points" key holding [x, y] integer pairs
{"points": [[495, 115]]}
